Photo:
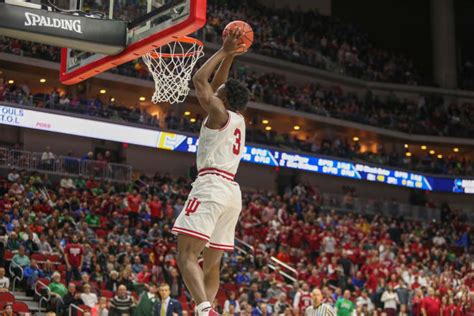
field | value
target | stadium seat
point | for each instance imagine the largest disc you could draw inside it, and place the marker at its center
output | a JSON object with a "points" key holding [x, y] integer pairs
{"points": [[106, 293], [39, 257], [8, 255], [56, 259], [7, 297], [20, 307]]}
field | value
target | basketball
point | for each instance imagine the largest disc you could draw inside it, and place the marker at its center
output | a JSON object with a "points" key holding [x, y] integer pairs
{"points": [[247, 36]]}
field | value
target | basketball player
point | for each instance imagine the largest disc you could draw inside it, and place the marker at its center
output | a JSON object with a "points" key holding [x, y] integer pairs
{"points": [[207, 222]]}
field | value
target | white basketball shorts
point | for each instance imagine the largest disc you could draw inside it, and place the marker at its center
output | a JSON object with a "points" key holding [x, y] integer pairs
{"points": [[211, 212]]}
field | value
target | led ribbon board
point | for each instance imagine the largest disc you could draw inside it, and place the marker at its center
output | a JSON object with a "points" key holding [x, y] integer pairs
{"points": [[259, 155]]}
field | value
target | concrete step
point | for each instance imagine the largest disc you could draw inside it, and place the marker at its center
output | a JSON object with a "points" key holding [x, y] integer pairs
{"points": [[33, 306], [19, 293]]}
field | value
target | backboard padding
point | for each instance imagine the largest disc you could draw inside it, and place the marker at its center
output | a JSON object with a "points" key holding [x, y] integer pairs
{"points": [[141, 39]]}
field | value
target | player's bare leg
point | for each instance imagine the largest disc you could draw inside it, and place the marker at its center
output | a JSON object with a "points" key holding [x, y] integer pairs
{"points": [[212, 265], [189, 249]]}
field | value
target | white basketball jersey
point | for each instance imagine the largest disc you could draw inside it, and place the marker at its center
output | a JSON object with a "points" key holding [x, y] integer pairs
{"points": [[220, 151]]}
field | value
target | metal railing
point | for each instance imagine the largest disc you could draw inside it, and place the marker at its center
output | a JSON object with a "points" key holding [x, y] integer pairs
{"points": [[17, 272], [64, 165], [43, 288], [76, 308], [288, 272]]}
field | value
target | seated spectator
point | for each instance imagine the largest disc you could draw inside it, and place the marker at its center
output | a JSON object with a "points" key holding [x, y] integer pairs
{"points": [[281, 304], [4, 281], [58, 291], [113, 282], [8, 310], [231, 300], [89, 298], [21, 259], [13, 176], [13, 242], [72, 297], [31, 274], [144, 276], [101, 308], [43, 245], [122, 303], [166, 305], [67, 183], [147, 300]]}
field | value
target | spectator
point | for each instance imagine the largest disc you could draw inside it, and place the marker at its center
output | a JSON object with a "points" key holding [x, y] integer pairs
{"points": [[47, 159], [262, 309], [302, 299], [4, 281], [89, 298], [72, 297], [31, 274], [430, 305], [13, 176], [318, 307], [122, 303], [390, 301], [167, 306], [21, 259], [67, 183], [101, 308], [58, 291], [231, 300], [43, 245], [344, 306], [147, 300], [364, 302], [74, 257], [8, 310], [281, 305]]}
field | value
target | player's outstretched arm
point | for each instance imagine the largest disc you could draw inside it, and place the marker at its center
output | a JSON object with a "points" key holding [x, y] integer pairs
{"points": [[204, 90]]}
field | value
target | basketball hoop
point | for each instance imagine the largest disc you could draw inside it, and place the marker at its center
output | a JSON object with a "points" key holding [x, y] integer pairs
{"points": [[171, 67]]}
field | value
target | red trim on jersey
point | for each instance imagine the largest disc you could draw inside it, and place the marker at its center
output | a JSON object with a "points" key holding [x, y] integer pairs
{"points": [[226, 123], [221, 245], [191, 233], [219, 248], [217, 170], [217, 174]]}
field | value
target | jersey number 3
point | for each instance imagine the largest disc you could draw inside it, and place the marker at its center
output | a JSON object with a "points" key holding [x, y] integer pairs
{"points": [[237, 143]]}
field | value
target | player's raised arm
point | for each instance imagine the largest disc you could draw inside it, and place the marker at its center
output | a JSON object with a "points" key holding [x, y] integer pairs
{"points": [[204, 90]]}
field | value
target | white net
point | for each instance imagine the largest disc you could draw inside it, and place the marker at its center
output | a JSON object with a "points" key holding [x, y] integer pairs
{"points": [[171, 66]]}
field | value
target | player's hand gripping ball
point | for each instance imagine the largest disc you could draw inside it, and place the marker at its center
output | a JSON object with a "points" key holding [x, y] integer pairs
{"points": [[246, 37]]}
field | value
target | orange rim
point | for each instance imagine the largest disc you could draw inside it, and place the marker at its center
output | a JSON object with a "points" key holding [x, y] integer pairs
{"points": [[185, 40]]}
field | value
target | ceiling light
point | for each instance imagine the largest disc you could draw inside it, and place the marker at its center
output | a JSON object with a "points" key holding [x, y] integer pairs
{"points": [[11, 81], [440, 156], [296, 127], [432, 152], [408, 154], [187, 113], [142, 99], [265, 122], [193, 120], [103, 91], [268, 128], [355, 138], [42, 80], [406, 146], [423, 147], [456, 150], [112, 99]]}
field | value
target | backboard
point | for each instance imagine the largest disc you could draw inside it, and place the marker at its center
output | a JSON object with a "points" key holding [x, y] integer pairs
{"points": [[151, 24]]}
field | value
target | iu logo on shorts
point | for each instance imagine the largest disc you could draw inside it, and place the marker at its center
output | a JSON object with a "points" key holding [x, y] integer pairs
{"points": [[192, 206]]}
